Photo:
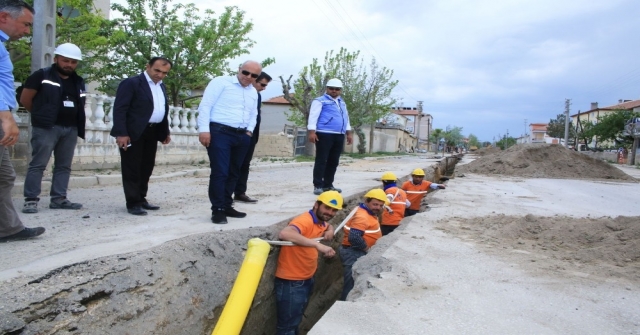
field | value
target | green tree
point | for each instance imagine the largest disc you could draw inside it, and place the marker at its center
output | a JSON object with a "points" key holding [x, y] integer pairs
{"points": [[610, 126], [80, 23], [555, 128], [199, 47], [366, 91], [453, 136], [473, 141], [506, 142], [436, 135]]}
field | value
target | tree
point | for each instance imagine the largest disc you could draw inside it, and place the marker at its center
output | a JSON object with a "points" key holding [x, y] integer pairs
{"points": [[79, 22], [555, 128], [198, 47], [453, 136], [473, 141], [506, 142], [366, 91], [435, 137], [610, 126]]}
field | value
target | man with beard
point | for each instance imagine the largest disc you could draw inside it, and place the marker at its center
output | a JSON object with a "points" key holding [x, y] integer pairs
{"points": [[297, 264], [360, 233], [55, 97]]}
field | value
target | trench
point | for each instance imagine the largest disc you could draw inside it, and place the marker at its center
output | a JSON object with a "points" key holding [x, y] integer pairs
{"points": [[328, 279]]}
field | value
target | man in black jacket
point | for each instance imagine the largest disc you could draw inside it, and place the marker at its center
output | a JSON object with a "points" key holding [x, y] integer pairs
{"points": [[55, 97], [140, 120]]}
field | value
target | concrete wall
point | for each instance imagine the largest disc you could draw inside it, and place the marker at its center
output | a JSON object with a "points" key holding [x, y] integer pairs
{"points": [[273, 118]]}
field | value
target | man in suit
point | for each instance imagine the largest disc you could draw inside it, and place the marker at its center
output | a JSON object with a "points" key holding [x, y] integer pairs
{"points": [[241, 186], [140, 120]]}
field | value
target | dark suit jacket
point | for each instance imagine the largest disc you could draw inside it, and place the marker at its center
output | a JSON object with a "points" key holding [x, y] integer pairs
{"points": [[133, 108]]}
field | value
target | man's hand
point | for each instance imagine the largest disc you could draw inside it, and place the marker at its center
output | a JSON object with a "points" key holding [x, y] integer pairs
{"points": [[205, 139], [313, 138], [328, 235], [167, 140], [441, 187], [123, 142], [10, 129], [349, 137], [327, 251]]}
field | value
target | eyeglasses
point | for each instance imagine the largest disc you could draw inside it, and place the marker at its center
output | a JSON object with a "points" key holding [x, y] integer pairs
{"points": [[263, 84], [246, 73], [334, 88]]}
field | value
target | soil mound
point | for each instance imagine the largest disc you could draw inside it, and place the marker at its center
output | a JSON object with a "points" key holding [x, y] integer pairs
{"points": [[606, 247], [543, 161], [487, 150]]}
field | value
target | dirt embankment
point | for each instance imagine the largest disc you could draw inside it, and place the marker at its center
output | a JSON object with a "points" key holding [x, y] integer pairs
{"points": [[543, 161], [602, 247]]}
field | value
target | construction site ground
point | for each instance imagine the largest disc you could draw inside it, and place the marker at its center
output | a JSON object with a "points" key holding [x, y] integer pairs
{"points": [[492, 254]]}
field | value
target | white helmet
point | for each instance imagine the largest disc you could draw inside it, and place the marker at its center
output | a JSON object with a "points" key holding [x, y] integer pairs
{"points": [[334, 83], [69, 50]]}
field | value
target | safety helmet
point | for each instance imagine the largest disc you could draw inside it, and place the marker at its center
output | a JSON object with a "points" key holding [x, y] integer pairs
{"points": [[334, 83], [417, 172], [389, 176], [377, 194], [69, 50], [332, 199]]}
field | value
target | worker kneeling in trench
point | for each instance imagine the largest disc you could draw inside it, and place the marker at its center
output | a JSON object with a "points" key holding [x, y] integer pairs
{"points": [[297, 264]]}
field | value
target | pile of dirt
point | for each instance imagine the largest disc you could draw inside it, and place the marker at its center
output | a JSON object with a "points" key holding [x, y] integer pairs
{"points": [[604, 247], [543, 161], [487, 150]]}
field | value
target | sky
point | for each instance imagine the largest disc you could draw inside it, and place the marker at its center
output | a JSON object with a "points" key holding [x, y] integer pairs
{"points": [[488, 66]]}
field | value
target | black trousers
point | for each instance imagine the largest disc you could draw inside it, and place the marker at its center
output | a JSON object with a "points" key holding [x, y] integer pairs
{"points": [[328, 150], [137, 166], [241, 184]]}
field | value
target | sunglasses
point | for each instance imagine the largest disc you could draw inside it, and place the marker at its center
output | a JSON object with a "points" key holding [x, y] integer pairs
{"points": [[246, 73], [334, 88], [263, 85]]}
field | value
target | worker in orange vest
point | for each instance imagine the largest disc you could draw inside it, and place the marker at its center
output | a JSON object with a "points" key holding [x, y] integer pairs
{"points": [[394, 213], [416, 189], [360, 233], [297, 264]]}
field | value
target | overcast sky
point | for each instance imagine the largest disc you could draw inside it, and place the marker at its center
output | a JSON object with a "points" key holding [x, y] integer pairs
{"points": [[485, 66]]}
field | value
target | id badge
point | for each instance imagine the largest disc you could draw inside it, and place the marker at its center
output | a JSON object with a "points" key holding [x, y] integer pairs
{"points": [[68, 103]]}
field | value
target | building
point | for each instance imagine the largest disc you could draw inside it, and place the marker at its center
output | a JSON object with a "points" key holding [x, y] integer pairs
{"points": [[594, 113]]}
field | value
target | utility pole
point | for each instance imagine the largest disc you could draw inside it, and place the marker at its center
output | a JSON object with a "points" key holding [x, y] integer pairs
{"points": [[506, 140], [419, 118], [567, 105], [526, 140]]}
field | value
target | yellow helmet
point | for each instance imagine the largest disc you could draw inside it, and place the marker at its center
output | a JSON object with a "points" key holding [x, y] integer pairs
{"points": [[377, 194], [332, 199], [417, 172], [389, 176]]}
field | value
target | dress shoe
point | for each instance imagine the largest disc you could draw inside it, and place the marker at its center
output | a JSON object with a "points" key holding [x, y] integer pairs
{"points": [[23, 234], [149, 207], [245, 198], [231, 212], [219, 217], [136, 210]]}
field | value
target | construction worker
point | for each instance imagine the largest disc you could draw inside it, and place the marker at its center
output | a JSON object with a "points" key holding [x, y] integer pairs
{"points": [[360, 233], [394, 213], [297, 264], [416, 189]]}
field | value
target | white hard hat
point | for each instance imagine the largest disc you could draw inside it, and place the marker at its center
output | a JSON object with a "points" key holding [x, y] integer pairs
{"points": [[69, 50], [334, 83]]}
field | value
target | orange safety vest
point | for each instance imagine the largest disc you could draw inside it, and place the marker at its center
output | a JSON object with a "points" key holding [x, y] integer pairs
{"points": [[366, 222]]}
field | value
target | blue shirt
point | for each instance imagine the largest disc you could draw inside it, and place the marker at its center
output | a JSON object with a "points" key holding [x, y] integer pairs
{"points": [[7, 90], [227, 102]]}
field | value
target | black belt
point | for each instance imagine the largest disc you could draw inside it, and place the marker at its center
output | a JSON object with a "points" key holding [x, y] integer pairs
{"points": [[227, 128]]}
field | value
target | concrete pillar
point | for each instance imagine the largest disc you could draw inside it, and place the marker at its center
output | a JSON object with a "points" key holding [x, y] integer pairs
{"points": [[44, 34]]}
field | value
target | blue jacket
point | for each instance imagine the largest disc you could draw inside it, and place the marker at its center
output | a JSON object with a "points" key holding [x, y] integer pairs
{"points": [[333, 118]]}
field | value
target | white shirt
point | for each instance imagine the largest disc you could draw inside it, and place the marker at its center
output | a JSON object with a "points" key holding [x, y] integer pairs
{"points": [[158, 100], [227, 102]]}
